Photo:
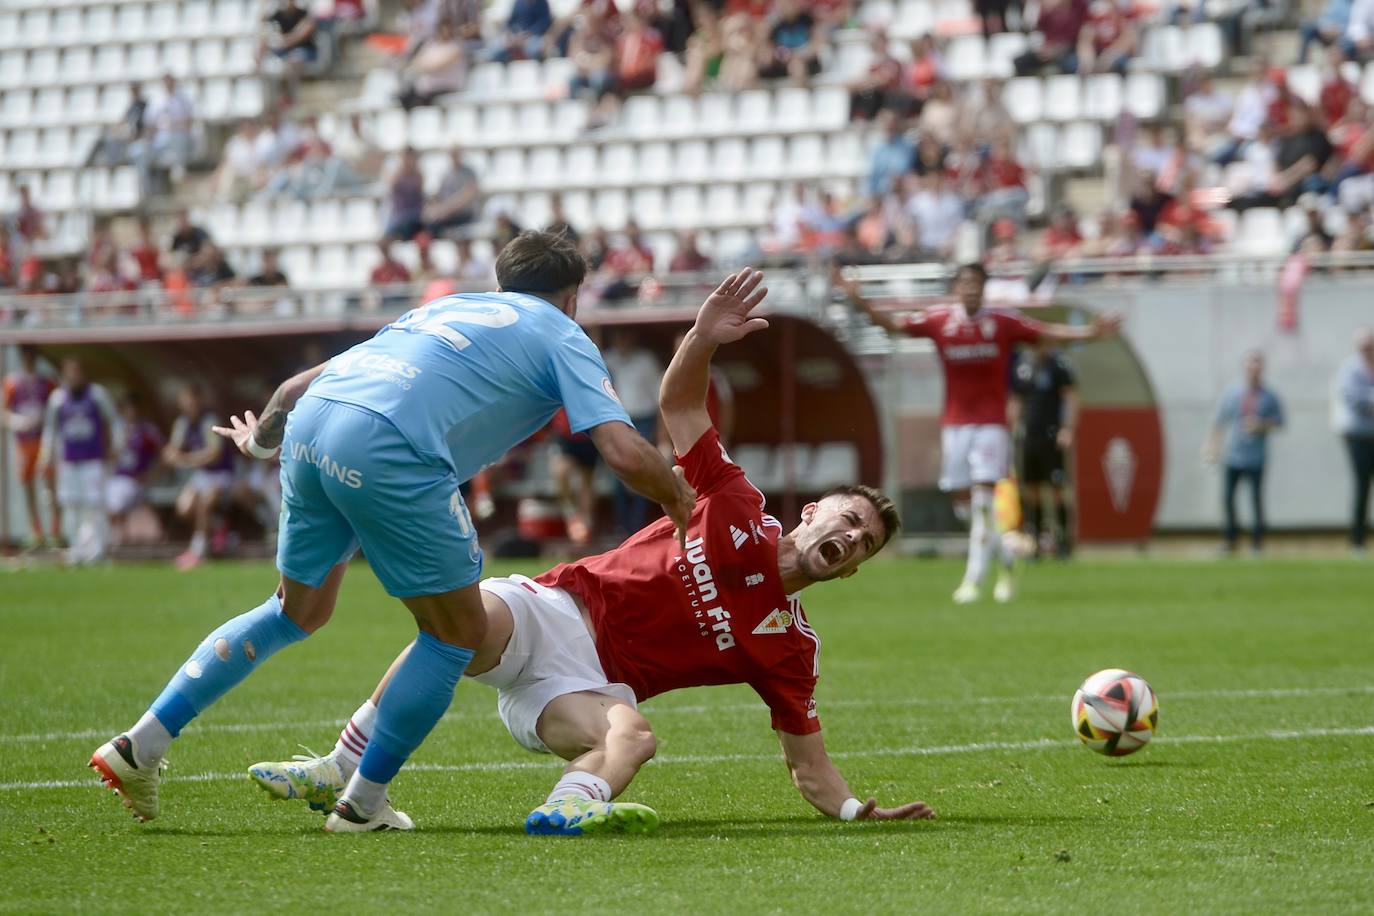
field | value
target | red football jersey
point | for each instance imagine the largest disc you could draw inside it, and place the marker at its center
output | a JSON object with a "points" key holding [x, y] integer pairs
{"points": [[716, 614], [976, 353]]}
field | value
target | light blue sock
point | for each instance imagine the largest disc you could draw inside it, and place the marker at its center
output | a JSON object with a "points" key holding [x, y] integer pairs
{"points": [[417, 697], [226, 657]]}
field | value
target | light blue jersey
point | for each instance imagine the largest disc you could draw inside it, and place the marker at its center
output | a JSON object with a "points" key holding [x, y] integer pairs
{"points": [[466, 377], [376, 450]]}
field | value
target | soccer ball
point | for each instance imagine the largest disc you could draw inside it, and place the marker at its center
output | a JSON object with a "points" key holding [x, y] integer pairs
{"points": [[1115, 712]]}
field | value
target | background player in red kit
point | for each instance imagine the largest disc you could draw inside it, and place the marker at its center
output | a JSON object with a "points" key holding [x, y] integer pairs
{"points": [[573, 651], [975, 347]]}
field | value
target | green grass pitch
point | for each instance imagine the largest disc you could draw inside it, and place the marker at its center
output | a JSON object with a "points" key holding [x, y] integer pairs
{"points": [[1257, 795]]}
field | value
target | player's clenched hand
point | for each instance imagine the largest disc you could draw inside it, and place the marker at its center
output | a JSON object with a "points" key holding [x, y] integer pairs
{"points": [[915, 811], [680, 509], [724, 316], [241, 432]]}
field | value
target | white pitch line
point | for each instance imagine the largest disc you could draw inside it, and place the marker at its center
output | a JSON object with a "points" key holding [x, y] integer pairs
{"points": [[1038, 744], [713, 709]]}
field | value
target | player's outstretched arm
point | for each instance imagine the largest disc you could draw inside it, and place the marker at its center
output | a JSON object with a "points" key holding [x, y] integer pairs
{"points": [[822, 785], [259, 437], [637, 462], [723, 318], [1107, 325], [850, 287]]}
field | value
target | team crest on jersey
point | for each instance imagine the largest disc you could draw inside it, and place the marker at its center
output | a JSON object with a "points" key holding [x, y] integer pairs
{"points": [[777, 622], [609, 389]]}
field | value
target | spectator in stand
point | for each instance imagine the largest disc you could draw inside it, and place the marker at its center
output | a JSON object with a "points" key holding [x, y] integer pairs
{"points": [[634, 256], [1302, 153], [559, 222], [240, 172], [112, 148], [388, 269], [269, 272], [705, 49], [939, 115], [294, 42], [438, 68], [741, 44], [1251, 109], [466, 18], [523, 36], [1337, 92], [1061, 238], [1355, 420], [931, 155], [937, 211], [211, 270], [596, 246], [688, 258], [318, 173], [1206, 112], [1326, 29], [674, 23], [504, 228], [458, 202], [1358, 40], [919, 77], [1355, 236], [892, 157], [136, 458], [793, 46], [187, 237], [881, 86], [592, 51], [1058, 26], [1109, 38], [635, 59], [168, 141], [473, 268], [983, 119], [194, 447], [356, 149], [6, 257], [1002, 186], [1313, 239], [1147, 202], [26, 393], [1354, 182], [1151, 150], [405, 199], [27, 225]]}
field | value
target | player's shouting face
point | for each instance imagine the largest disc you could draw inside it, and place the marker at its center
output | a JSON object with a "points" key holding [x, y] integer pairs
{"points": [[836, 535]]}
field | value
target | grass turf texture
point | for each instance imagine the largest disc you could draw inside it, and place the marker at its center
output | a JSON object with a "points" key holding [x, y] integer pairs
{"points": [[1278, 824]]}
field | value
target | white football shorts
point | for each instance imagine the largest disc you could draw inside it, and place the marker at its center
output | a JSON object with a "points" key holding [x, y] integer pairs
{"points": [[976, 453], [550, 654], [81, 483]]}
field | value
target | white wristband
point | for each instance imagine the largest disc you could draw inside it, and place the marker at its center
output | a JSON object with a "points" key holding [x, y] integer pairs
{"points": [[850, 809], [257, 451]]}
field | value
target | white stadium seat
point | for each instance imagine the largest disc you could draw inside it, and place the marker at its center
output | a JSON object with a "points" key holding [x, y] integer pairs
{"points": [[715, 114], [732, 160], [1206, 46], [1164, 48], [655, 164], [966, 58], [1080, 145], [794, 109], [640, 116], [649, 208], [684, 206], [1305, 81], [722, 205], [806, 155], [679, 116], [754, 113], [1145, 95], [426, 128], [581, 166], [1003, 49], [1260, 232], [612, 208], [1023, 97], [546, 167], [1063, 98], [1102, 97], [693, 160]]}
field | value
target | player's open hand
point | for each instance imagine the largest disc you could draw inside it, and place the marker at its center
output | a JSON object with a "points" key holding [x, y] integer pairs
{"points": [[680, 509], [915, 811], [240, 432], [1108, 325], [724, 316]]}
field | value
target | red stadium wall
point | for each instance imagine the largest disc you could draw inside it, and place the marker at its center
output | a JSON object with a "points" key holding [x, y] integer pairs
{"points": [[1119, 464]]}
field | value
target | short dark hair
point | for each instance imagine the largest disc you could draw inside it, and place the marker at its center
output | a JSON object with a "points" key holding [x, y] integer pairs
{"points": [[885, 507], [976, 267], [540, 262]]}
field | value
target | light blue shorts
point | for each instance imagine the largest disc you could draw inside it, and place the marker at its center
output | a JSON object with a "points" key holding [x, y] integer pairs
{"points": [[349, 478]]}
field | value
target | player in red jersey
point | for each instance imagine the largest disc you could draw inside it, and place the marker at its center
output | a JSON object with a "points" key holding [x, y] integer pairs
{"points": [[572, 652], [25, 401], [975, 345]]}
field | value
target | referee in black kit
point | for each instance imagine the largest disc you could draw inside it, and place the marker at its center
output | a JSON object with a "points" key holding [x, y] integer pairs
{"points": [[1044, 416]]}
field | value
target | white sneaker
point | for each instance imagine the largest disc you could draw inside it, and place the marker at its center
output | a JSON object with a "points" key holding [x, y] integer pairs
{"points": [[347, 819], [317, 780], [1005, 589], [116, 762], [966, 593]]}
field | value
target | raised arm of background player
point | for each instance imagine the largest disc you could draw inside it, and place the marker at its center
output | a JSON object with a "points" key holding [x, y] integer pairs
{"points": [[724, 318], [1102, 325]]}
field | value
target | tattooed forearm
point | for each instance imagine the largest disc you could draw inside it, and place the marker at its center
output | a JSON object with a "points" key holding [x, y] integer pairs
{"points": [[272, 423]]}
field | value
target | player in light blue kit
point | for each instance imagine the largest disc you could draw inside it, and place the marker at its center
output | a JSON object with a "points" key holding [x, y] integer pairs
{"points": [[372, 456]]}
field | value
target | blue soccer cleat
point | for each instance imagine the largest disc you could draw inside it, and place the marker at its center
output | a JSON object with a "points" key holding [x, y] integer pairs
{"points": [[577, 816]]}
